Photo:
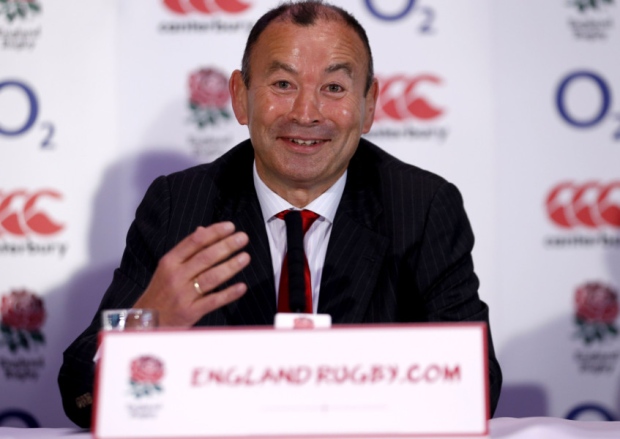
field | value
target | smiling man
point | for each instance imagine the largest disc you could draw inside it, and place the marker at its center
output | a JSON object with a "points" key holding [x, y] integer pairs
{"points": [[307, 100], [382, 241]]}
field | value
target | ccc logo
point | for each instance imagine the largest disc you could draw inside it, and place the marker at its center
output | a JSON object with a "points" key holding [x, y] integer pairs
{"points": [[590, 204], [206, 6], [399, 98], [20, 216]]}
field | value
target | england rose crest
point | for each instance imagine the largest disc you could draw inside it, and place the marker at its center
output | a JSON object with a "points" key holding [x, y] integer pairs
{"points": [[584, 5], [596, 311], [146, 374], [209, 96], [13, 9], [303, 323], [22, 315]]}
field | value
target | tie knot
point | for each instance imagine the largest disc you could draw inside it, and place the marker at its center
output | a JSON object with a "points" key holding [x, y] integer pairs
{"points": [[307, 217]]}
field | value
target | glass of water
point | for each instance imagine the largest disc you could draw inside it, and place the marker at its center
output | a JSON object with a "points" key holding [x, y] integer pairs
{"points": [[133, 318]]}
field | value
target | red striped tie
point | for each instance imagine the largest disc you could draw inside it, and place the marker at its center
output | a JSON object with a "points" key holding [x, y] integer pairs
{"points": [[295, 294]]}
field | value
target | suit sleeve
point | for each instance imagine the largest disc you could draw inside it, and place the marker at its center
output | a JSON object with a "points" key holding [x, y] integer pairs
{"points": [[446, 277], [145, 245]]}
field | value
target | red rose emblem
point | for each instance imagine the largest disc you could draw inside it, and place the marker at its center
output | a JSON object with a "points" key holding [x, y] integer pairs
{"points": [[22, 310], [147, 370], [208, 88], [596, 303], [303, 323]]}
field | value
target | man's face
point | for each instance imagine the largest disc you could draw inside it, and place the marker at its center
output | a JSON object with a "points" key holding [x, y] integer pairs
{"points": [[305, 106]]}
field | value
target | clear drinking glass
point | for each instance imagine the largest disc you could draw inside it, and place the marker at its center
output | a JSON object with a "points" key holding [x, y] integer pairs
{"points": [[121, 319]]}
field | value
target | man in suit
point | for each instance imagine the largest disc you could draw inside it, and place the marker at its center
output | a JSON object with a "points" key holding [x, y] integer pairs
{"points": [[390, 242]]}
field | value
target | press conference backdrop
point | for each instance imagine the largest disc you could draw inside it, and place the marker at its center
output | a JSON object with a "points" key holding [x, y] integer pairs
{"points": [[515, 101]]}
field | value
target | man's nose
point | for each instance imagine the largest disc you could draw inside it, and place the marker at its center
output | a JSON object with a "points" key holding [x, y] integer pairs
{"points": [[306, 108]]}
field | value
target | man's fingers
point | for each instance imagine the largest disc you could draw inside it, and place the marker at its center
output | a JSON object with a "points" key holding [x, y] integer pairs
{"points": [[213, 301], [211, 256], [201, 238], [199, 264], [212, 278]]}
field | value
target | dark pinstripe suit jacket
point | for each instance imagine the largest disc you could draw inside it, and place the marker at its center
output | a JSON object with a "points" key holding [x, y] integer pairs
{"points": [[400, 251]]}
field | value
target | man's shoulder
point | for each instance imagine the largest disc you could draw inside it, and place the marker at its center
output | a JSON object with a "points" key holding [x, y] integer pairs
{"points": [[228, 166], [371, 160]]}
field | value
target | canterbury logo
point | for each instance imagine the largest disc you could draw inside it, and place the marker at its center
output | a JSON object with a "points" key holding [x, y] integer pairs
{"points": [[590, 204], [20, 216], [206, 6], [399, 98]]}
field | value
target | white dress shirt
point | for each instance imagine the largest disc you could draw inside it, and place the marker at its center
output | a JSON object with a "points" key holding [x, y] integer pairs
{"points": [[315, 240]]}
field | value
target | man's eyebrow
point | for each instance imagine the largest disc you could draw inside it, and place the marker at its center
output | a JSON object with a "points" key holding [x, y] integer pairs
{"points": [[347, 67], [277, 65]]}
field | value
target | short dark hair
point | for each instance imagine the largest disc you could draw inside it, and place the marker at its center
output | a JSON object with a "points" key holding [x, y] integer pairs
{"points": [[304, 13]]}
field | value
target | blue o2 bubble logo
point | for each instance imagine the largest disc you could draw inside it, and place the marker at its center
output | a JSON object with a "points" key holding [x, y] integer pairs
{"points": [[21, 416], [33, 107], [370, 4], [426, 16], [605, 94], [598, 410], [26, 92]]}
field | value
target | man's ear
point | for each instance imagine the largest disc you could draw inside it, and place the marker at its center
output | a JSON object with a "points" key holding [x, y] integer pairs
{"points": [[239, 95], [370, 105]]}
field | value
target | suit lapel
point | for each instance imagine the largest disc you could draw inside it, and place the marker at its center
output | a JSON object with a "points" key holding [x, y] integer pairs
{"points": [[356, 250], [240, 205], [258, 306]]}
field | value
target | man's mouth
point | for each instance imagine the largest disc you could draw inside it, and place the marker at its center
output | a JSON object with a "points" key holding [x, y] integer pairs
{"points": [[305, 142]]}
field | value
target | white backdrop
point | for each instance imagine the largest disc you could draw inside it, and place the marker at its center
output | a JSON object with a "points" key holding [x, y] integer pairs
{"points": [[509, 100]]}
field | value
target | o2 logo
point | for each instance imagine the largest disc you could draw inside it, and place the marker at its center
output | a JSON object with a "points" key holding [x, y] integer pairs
{"points": [[600, 86], [601, 413], [27, 94], [21, 416], [427, 14]]}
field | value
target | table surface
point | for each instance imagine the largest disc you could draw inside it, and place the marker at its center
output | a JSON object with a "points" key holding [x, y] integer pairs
{"points": [[501, 428]]}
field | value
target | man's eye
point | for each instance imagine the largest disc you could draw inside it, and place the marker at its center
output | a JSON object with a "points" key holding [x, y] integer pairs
{"points": [[282, 84], [334, 88]]}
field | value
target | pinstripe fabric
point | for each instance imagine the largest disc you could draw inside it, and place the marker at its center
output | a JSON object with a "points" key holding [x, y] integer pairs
{"points": [[399, 251]]}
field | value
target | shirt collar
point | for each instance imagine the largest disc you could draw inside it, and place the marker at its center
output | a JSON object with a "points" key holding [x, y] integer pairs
{"points": [[325, 205]]}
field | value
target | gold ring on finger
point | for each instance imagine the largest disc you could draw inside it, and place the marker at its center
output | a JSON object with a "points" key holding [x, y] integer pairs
{"points": [[197, 287]]}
